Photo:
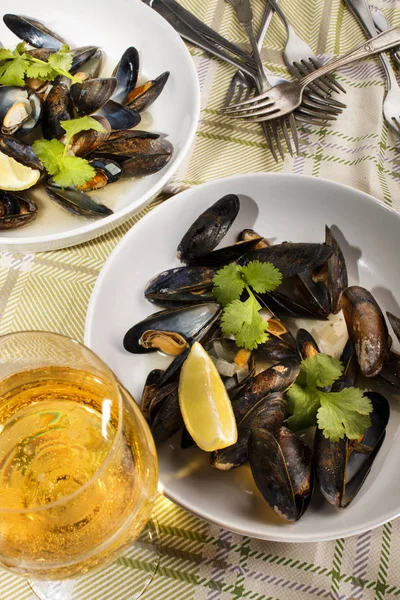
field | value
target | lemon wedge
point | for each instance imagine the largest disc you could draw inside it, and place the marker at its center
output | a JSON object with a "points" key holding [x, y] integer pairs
{"points": [[14, 176], [205, 405]]}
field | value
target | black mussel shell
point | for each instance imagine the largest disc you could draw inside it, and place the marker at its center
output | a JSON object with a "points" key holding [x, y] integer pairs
{"points": [[306, 344], [224, 256], [150, 388], [143, 96], [269, 413], [85, 142], [291, 258], [126, 72], [57, 107], [89, 96], [277, 378], [315, 295], [111, 168], [20, 151], [154, 156], [77, 202], [367, 329], [33, 32], [189, 321], [337, 272], [182, 282], [19, 110], [81, 55], [186, 440], [168, 419], [209, 228], [120, 117], [15, 211], [395, 323]]}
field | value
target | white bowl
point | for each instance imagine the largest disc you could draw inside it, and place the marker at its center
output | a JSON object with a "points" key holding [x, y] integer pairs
{"points": [[281, 207], [114, 26]]}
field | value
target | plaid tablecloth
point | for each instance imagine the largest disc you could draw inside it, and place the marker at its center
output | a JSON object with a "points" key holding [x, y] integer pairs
{"points": [[51, 291]]}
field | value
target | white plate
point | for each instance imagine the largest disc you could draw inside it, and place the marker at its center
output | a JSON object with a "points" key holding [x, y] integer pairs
{"points": [[281, 207], [114, 26]]}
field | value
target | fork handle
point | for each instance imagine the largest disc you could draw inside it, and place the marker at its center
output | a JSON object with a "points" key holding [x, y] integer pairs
{"points": [[380, 43]]}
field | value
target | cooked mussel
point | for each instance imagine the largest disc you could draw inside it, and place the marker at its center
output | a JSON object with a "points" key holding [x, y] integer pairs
{"points": [[33, 32], [120, 117], [281, 468], [151, 157], [306, 344], [150, 389], [15, 211], [77, 202], [277, 378], [269, 413], [89, 96], [367, 329], [85, 142], [395, 323], [209, 228], [57, 107], [126, 72], [168, 419], [183, 285], [20, 151], [81, 57], [226, 255], [107, 171], [143, 96], [337, 280], [19, 110], [280, 343], [342, 467], [190, 322], [235, 365], [291, 258]]}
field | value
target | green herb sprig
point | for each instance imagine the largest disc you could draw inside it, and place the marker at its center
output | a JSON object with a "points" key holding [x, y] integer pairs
{"points": [[241, 318], [336, 413]]}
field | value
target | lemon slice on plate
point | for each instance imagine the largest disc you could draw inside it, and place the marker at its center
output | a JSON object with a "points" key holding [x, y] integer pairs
{"points": [[205, 405], [14, 176]]}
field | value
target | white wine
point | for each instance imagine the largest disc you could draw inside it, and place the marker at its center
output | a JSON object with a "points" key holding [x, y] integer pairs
{"points": [[70, 480]]}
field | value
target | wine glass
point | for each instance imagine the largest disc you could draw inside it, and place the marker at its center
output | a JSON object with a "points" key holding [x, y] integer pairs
{"points": [[78, 465]]}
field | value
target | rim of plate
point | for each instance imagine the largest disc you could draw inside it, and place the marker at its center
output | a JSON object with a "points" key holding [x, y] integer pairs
{"points": [[287, 538], [107, 223]]}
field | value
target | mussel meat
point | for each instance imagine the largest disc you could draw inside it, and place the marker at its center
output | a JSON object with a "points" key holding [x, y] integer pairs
{"points": [[143, 96], [19, 110]]}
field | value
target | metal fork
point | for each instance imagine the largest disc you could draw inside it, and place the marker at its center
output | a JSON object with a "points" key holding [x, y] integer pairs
{"points": [[282, 99], [245, 16], [381, 23], [391, 102], [300, 59]]}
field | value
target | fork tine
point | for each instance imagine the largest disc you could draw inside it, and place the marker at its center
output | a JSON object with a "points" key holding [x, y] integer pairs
{"points": [[267, 135], [324, 101], [283, 125], [316, 86], [325, 109], [317, 115], [275, 131], [331, 78], [261, 115], [303, 118], [230, 93], [238, 95], [249, 102], [244, 107], [395, 125], [319, 83], [293, 129], [249, 93]]}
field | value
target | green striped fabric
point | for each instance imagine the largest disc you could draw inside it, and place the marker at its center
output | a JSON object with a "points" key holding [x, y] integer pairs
{"points": [[51, 291]]}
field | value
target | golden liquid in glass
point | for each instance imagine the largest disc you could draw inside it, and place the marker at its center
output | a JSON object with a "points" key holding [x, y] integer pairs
{"points": [[69, 486]]}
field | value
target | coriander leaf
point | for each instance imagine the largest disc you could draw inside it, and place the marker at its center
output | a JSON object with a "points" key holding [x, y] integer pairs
{"points": [[41, 71], [75, 126], [5, 54], [242, 320], [344, 413], [12, 72], [263, 277], [74, 171], [50, 152], [61, 59], [20, 49], [303, 404], [228, 284], [320, 370]]}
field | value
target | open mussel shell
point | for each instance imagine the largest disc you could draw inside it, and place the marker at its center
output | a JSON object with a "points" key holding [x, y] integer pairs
{"points": [[143, 96], [150, 389], [77, 202], [269, 413], [280, 343], [247, 235], [277, 378], [15, 211], [126, 72], [151, 157], [281, 468], [85, 142], [337, 272], [208, 229], [33, 32], [367, 329], [168, 419], [315, 295], [181, 285], [19, 110], [120, 117], [57, 107], [126, 143], [291, 258], [306, 344], [226, 255], [190, 322], [340, 467], [81, 56], [89, 96], [107, 171], [20, 151], [285, 305]]}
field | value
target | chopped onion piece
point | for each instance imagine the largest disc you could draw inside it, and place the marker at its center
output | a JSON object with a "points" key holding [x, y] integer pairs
{"points": [[230, 383], [266, 314], [224, 368], [221, 352], [242, 373]]}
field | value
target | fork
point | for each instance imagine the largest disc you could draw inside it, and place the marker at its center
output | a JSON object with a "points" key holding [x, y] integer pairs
{"points": [[300, 59], [381, 23], [245, 16], [391, 102], [282, 99]]}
